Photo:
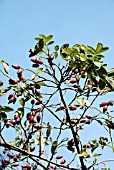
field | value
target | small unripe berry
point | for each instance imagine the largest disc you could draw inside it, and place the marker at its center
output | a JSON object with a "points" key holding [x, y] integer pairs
{"points": [[10, 96], [105, 108], [20, 71], [38, 110], [59, 157], [38, 102], [14, 164], [103, 104], [7, 161], [89, 83], [4, 151], [80, 90], [13, 82], [12, 100], [70, 148], [31, 120], [71, 142], [15, 158], [28, 116], [32, 149], [10, 155], [76, 85], [89, 116], [8, 124], [16, 67], [75, 71], [73, 107], [37, 92], [39, 61], [73, 81], [63, 161], [27, 166], [38, 118]]}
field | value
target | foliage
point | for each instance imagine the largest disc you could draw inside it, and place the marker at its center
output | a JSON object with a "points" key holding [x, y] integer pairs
{"points": [[47, 109]]}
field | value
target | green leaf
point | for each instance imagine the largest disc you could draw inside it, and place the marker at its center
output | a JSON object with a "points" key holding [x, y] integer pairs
{"points": [[83, 57], [1, 83], [33, 76], [56, 48], [39, 46], [90, 50], [110, 82], [3, 115], [102, 84], [81, 46], [102, 72], [5, 65], [18, 128], [63, 54], [111, 72], [104, 49], [40, 70], [88, 103], [6, 109], [2, 91], [98, 64], [99, 47], [106, 90], [67, 51], [41, 83], [84, 153], [64, 46], [80, 101], [22, 102], [51, 42], [54, 146], [48, 38], [48, 132], [97, 154], [55, 55], [42, 36], [37, 39], [20, 112]]}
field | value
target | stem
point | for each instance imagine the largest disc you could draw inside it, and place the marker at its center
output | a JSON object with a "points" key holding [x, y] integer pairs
{"points": [[72, 129], [101, 162]]}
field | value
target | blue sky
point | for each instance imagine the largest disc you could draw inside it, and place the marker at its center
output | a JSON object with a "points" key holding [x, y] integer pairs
{"points": [[74, 21]]}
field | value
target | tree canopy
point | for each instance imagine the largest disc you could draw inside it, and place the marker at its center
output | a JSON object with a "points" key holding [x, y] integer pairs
{"points": [[48, 104]]}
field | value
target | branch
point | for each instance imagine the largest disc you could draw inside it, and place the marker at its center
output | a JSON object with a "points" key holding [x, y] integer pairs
{"points": [[72, 129]]}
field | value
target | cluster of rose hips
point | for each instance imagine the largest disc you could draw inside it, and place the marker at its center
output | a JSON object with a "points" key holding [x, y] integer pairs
{"points": [[31, 116], [12, 98], [105, 105], [61, 162], [14, 121], [13, 157], [102, 140], [11, 122], [76, 85], [75, 81], [19, 74], [37, 61], [70, 147]]}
